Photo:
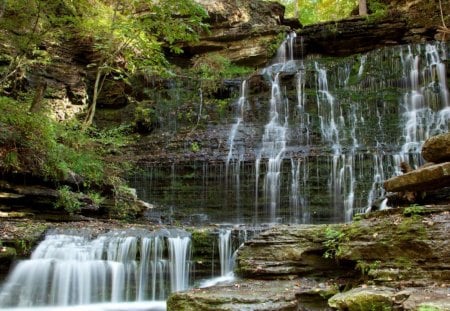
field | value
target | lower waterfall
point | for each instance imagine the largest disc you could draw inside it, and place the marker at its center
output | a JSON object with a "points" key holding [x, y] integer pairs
{"points": [[120, 266]]}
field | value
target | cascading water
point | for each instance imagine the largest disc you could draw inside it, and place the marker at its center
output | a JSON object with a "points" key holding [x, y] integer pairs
{"points": [[319, 140], [67, 270], [225, 252]]}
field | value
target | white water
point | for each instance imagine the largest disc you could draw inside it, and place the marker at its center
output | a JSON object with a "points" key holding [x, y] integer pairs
{"points": [[225, 252], [68, 270], [124, 306]]}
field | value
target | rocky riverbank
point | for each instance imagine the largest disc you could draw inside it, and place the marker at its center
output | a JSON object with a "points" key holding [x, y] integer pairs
{"points": [[389, 260]]}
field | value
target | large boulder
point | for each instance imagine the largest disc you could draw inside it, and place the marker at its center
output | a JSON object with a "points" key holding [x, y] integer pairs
{"points": [[437, 148], [362, 299], [430, 177]]}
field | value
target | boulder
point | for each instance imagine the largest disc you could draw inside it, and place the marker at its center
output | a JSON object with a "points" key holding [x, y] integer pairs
{"points": [[285, 251], [361, 299], [422, 179], [437, 148], [238, 295]]}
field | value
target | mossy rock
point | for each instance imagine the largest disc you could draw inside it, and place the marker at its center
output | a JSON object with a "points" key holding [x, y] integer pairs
{"points": [[7, 252], [434, 306], [363, 299]]}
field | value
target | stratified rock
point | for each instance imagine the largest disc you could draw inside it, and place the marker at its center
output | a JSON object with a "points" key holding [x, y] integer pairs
{"points": [[352, 35], [437, 148], [436, 299], [240, 295], [243, 31], [390, 250], [422, 179], [285, 251], [362, 299]]}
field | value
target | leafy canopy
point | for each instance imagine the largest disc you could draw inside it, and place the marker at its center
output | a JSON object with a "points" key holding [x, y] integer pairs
{"points": [[314, 11], [138, 31]]}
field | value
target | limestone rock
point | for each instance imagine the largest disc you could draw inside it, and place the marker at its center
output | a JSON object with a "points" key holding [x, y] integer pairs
{"points": [[360, 299], [422, 179], [405, 257], [350, 36], [285, 251], [241, 31], [239, 295], [437, 148]]}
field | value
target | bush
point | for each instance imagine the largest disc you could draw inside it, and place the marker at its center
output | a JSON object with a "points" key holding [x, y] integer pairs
{"points": [[68, 200], [34, 143]]}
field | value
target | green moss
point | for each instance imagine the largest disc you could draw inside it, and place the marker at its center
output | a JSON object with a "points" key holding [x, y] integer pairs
{"points": [[414, 209], [203, 244], [428, 307], [7, 252], [412, 228]]}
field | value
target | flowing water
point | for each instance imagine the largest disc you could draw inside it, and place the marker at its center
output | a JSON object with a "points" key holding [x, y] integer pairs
{"points": [[69, 269], [316, 144], [314, 147]]}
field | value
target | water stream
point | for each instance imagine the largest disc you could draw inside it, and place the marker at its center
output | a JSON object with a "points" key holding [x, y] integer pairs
{"points": [[317, 144], [68, 269], [314, 148]]}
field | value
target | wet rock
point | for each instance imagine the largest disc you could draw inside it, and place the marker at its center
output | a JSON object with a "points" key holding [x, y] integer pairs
{"points": [[422, 179], [239, 295], [359, 299], [436, 298], [285, 251], [437, 148]]}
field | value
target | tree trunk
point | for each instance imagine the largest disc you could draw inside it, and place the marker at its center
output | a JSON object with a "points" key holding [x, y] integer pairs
{"points": [[37, 103], [91, 110], [362, 7]]}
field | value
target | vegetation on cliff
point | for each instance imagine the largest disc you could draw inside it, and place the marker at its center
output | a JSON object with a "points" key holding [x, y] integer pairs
{"points": [[126, 37]]}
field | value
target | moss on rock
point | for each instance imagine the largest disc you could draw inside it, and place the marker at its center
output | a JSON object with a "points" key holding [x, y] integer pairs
{"points": [[363, 299]]}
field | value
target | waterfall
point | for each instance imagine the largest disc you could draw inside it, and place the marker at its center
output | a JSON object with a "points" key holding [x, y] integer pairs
{"points": [[273, 147], [320, 136], [225, 252], [117, 267], [179, 248]]}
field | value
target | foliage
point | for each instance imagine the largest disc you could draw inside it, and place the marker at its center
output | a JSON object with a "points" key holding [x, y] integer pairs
{"points": [[365, 267], [195, 147], [68, 200], [211, 69], [273, 45], [131, 35], [34, 143], [377, 9], [413, 210], [124, 200], [314, 11], [25, 26], [333, 238], [145, 119]]}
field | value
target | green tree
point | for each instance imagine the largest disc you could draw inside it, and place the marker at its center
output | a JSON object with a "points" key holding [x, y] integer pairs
{"points": [[314, 11], [23, 24], [132, 35]]}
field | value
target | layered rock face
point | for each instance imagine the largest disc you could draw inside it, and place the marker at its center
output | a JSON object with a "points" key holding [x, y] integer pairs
{"points": [[391, 260], [246, 32]]}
